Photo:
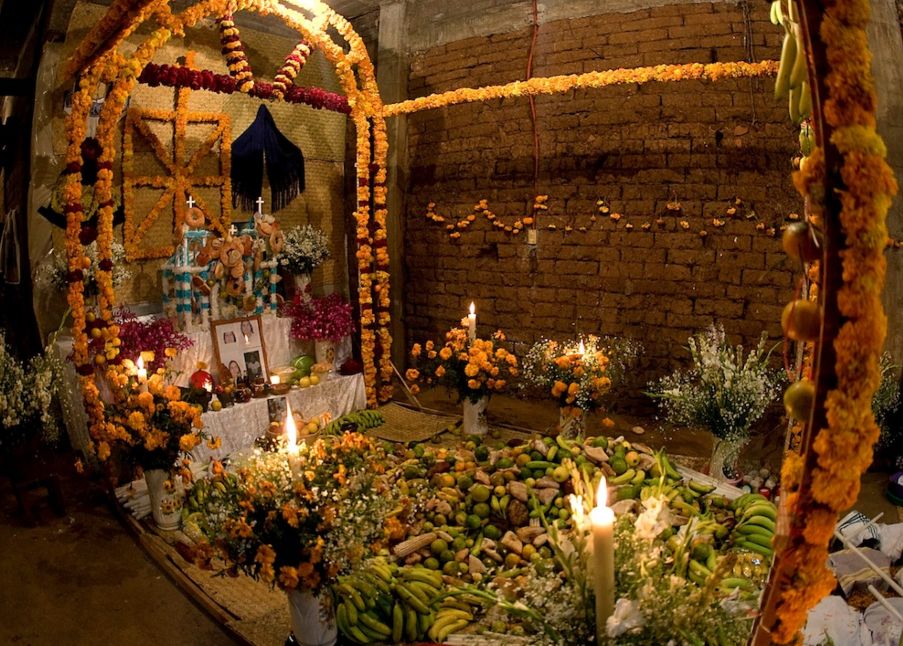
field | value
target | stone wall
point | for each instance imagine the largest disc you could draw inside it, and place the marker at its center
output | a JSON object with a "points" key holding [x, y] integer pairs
{"points": [[639, 147]]}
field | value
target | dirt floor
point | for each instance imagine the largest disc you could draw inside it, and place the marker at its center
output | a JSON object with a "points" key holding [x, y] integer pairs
{"points": [[82, 579]]}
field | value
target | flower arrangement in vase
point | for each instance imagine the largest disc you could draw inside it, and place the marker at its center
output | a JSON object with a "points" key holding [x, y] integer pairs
{"points": [[325, 320], [577, 374], [27, 393], [297, 519], [305, 249], [53, 272], [474, 369], [156, 338], [723, 390]]}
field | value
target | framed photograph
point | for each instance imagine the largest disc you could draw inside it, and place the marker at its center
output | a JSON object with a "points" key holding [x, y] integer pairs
{"points": [[240, 349], [277, 407]]}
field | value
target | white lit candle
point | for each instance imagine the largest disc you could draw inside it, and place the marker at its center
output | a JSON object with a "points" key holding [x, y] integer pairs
{"points": [[582, 349], [472, 323], [275, 380], [602, 519], [208, 386], [291, 431], [142, 375]]}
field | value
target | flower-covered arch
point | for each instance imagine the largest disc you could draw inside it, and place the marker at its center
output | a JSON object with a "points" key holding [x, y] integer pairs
{"points": [[101, 58]]}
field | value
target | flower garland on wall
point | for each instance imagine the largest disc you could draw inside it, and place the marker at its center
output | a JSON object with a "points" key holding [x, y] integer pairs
{"points": [[736, 210], [588, 80], [155, 75], [843, 449]]}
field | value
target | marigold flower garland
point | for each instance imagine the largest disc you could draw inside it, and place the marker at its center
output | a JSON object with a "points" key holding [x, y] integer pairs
{"points": [[588, 80], [842, 450], [234, 51], [286, 75]]}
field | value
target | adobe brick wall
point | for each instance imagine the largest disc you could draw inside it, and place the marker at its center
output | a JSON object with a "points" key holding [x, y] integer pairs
{"points": [[639, 147]]}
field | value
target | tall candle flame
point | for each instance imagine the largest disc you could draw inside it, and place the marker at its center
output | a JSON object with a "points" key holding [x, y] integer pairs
{"points": [[291, 431], [602, 494], [140, 363], [582, 348], [275, 380], [473, 309]]}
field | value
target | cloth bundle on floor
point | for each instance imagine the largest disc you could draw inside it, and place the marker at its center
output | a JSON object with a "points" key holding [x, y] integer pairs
{"points": [[263, 143]]}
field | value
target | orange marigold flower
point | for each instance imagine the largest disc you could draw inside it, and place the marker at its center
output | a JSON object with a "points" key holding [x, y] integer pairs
{"points": [[445, 353], [473, 384], [440, 371], [288, 577], [172, 393], [412, 374], [416, 350], [471, 370]]}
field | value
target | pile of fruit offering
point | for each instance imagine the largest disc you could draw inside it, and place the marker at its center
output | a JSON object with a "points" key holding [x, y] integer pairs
{"points": [[476, 515]]}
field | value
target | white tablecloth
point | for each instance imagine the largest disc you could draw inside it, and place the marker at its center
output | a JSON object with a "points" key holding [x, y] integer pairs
{"points": [[338, 396], [241, 424]]}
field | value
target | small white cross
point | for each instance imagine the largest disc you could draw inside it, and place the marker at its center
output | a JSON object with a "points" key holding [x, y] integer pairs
{"points": [[191, 202], [233, 230], [260, 205]]}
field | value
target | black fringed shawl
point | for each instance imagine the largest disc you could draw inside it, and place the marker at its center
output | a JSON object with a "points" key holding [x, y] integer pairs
{"points": [[261, 142]]}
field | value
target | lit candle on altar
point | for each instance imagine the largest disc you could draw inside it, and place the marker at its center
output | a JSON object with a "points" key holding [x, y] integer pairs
{"points": [[208, 386], [275, 380], [142, 374], [602, 519], [582, 349], [472, 322], [291, 431]]}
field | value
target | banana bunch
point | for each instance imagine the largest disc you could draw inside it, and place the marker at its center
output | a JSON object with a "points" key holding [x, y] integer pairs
{"points": [[792, 81], [364, 419], [384, 603], [365, 603], [756, 522]]}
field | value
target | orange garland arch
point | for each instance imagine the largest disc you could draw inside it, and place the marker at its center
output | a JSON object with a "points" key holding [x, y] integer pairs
{"points": [[848, 174]]}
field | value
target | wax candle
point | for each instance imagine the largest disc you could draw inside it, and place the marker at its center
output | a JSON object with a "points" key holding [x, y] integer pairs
{"points": [[472, 323], [142, 375], [291, 431], [275, 380], [582, 349], [602, 519]]}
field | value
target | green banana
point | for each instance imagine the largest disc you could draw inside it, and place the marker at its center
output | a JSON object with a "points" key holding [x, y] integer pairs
{"points": [[700, 569], [358, 636], [351, 610], [670, 471], [729, 583], [639, 477], [371, 635], [453, 627], [624, 478], [410, 624], [788, 58], [760, 509], [759, 539], [370, 621], [341, 618], [794, 104], [397, 622], [798, 73], [747, 529], [700, 487], [805, 100], [427, 591], [411, 599], [424, 621], [430, 577], [755, 547], [349, 592], [540, 464], [711, 561], [550, 456]]}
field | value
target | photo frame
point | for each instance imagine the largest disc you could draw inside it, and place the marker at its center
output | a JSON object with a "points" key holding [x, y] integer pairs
{"points": [[277, 409], [240, 349]]}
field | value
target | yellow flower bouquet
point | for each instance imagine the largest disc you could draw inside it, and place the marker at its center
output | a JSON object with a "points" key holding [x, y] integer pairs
{"points": [[474, 369]]}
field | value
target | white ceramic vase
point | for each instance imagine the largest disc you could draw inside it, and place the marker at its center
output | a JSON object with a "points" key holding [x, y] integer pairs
{"points": [[313, 618], [166, 498], [475, 417]]}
